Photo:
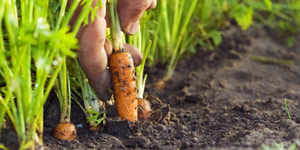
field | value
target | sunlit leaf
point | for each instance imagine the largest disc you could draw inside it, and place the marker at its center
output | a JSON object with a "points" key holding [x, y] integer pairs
{"points": [[269, 4]]}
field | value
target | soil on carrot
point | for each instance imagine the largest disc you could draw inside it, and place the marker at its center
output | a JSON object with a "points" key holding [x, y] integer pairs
{"points": [[224, 99]]}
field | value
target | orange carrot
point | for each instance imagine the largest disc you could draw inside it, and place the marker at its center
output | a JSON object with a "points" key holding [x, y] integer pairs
{"points": [[144, 109], [65, 131], [161, 84], [122, 69], [125, 92]]}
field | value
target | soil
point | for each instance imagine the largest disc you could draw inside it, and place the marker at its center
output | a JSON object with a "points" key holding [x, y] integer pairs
{"points": [[222, 99]]}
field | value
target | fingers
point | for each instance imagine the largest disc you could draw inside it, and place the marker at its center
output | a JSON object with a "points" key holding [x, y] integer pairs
{"points": [[133, 50], [93, 58], [135, 54], [153, 5], [95, 48], [92, 54], [130, 12], [108, 47]]}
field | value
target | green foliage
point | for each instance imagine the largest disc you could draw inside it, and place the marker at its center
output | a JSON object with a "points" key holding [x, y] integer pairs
{"points": [[139, 41], [287, 109], [171, 31], [266, 60], [243, 15], [281, 146], [63, 93], [96, 118], [91, 10], [34, 43], [3, 147], [27, 42], [63, 84], [282, 16], [268, 3], [177, 27], [210, 18], [80, 86]]}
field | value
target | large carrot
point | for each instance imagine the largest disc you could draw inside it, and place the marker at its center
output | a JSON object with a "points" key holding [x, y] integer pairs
{"points": [[125, 92], [122, 71]]}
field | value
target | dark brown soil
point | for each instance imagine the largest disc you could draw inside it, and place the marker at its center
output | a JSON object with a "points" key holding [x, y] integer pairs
{"points": [[223, 100]]}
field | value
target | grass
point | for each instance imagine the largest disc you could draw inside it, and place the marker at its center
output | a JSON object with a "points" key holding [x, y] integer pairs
{"points": [[287, 109], [266, 60]]}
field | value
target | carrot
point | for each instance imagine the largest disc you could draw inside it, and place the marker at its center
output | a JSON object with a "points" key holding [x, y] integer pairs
{"points": [[122, 70], [161, 84], [144, 109], [125, 92], [65, 131]]}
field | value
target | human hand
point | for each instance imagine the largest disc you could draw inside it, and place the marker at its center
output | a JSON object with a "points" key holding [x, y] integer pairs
{"points": [[95, 48]]}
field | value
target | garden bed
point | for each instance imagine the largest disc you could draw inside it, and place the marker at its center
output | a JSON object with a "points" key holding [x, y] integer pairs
{"points": [[223, 100]]}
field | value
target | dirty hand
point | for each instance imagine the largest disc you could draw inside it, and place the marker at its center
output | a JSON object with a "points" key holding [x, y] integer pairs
{"points": [[95, 48]]}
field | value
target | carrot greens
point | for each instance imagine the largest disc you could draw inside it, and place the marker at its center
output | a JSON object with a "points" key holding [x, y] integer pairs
{"points": [[174, 31], [33, 44], [93, 107], [138, 40]]}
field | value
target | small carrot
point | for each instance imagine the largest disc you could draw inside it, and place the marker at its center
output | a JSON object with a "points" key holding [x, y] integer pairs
{"points": [[144, 109], [123, 77], [65, 131], [161, 84]]}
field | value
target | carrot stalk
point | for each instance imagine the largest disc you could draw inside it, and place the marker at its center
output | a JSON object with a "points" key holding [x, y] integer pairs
{"points": [[115, 27], [122, 70]]}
